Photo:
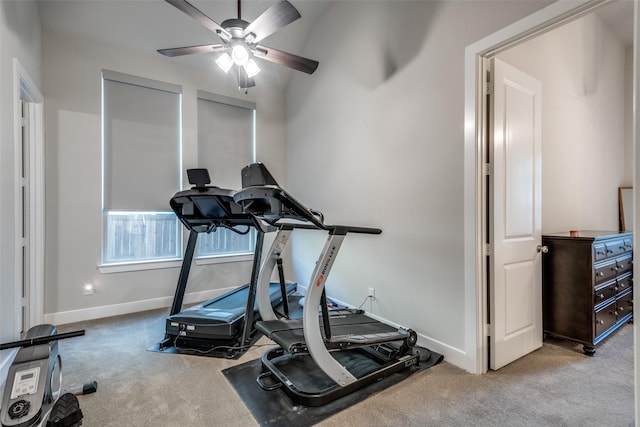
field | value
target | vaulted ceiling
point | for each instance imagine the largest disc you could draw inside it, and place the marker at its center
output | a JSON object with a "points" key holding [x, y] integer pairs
{"points": [[147, 25]]}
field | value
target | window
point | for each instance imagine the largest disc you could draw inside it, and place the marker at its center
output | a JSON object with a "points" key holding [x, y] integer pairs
{"points": [[226, 144], [141, 168]]}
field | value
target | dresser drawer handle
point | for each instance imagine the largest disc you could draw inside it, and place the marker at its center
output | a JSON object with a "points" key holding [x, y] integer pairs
{"points": [[601, 296], [601, 273], [600, 322]]}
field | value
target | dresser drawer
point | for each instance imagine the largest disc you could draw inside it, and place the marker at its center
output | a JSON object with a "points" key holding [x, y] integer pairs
{"points": [[604, 292], [624, 304], [605, 271], [624, 264], [624, 282], [599, 252], [605, 318], [614, 248]]}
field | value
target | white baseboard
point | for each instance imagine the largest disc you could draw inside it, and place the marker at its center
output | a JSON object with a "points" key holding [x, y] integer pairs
{"points": [[452, 355], [92, 313]]}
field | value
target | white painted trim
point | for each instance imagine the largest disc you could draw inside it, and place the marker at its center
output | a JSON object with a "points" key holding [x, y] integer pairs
{"points": [[26, 89], [37, 201], [17, 211], [636, 187], [138, 266], [222, 259], [545, 19], [154, 265], [92, 313]]}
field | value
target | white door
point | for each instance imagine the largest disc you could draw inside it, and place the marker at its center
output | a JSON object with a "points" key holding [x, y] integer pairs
{"points": [[515, 282]]}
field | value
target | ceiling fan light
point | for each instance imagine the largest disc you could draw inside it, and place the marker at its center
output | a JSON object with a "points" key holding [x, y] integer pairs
{"points": [[240, 54], [251, 68], [225, 62]]}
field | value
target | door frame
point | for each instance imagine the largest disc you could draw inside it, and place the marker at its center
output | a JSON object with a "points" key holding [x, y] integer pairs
{"points": [[475, 143], [25, 89]]}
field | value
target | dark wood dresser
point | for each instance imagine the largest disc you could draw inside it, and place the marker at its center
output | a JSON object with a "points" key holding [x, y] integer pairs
{"points": [[587, 285]]}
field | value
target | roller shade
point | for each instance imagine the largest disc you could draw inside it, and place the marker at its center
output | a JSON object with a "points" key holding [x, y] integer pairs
{"points": [[225, 138], [141, 142]]}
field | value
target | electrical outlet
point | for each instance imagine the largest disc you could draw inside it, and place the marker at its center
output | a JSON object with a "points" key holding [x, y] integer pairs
{"points": [[372, 293], [88, 289]]}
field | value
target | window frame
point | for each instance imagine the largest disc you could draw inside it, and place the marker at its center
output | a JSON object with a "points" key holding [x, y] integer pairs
{"points": [[149, 263]]}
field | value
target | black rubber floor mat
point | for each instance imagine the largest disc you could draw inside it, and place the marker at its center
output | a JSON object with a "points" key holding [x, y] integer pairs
{"points": [[274, 408]]}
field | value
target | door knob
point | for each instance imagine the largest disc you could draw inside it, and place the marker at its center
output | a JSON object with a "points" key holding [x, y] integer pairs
{"points": [[542, 248]]}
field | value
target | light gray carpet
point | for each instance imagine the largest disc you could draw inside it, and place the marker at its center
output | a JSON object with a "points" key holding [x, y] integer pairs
{"points": [[554, 386]]}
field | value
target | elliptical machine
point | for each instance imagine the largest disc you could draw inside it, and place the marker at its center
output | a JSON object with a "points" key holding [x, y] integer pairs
{"points": [[33, 389]]}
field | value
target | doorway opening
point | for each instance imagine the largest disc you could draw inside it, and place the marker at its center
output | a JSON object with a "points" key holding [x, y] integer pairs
{"points": [[28, 202], [476, 140]]}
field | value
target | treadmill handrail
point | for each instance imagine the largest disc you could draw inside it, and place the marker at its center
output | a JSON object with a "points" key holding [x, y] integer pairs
{"points": [[248, 195]]}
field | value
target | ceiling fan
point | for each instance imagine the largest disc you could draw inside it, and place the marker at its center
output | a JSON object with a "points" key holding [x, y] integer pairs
{"points": [[240, 41]]}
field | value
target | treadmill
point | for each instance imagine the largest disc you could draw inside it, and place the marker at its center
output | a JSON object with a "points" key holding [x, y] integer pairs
{"points": [[326, 354], [225, 325]]}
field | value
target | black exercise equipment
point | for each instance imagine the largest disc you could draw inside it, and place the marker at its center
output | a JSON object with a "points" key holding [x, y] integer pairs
{"points": [[222, 326], [33, 394], [325, 355]]}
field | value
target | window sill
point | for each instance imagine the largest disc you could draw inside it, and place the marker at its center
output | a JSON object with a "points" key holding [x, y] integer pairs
{"points": [[223, 259], [138, 266], [155, 265]]}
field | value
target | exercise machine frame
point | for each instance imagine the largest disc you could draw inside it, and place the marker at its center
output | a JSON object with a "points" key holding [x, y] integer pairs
{"points": [[33, 393], [390, 348], [205, 209]]}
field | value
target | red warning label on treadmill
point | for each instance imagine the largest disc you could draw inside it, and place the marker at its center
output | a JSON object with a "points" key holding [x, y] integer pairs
{"points": [[320, 279]]}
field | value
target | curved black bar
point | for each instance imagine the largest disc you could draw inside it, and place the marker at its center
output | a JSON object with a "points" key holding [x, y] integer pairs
{"points": [[272, 203], [262, 197], [41, 340]]}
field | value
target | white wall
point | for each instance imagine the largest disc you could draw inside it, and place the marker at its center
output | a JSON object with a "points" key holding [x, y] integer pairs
{"points": [[72, 84], [585, 150], [19, 38], [376, 139]]}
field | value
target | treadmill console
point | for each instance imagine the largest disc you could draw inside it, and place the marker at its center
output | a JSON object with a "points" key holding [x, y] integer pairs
{"points": [[199, 178]]}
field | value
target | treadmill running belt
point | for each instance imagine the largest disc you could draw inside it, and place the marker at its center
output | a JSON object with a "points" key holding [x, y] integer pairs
{"points": [[355, 328], [221, 317]]}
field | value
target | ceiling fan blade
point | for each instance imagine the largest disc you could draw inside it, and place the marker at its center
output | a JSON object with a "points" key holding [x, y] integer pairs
{"points": [[196, 14], [277, 16], [290, 60], [244, 81], [188, 50]]}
